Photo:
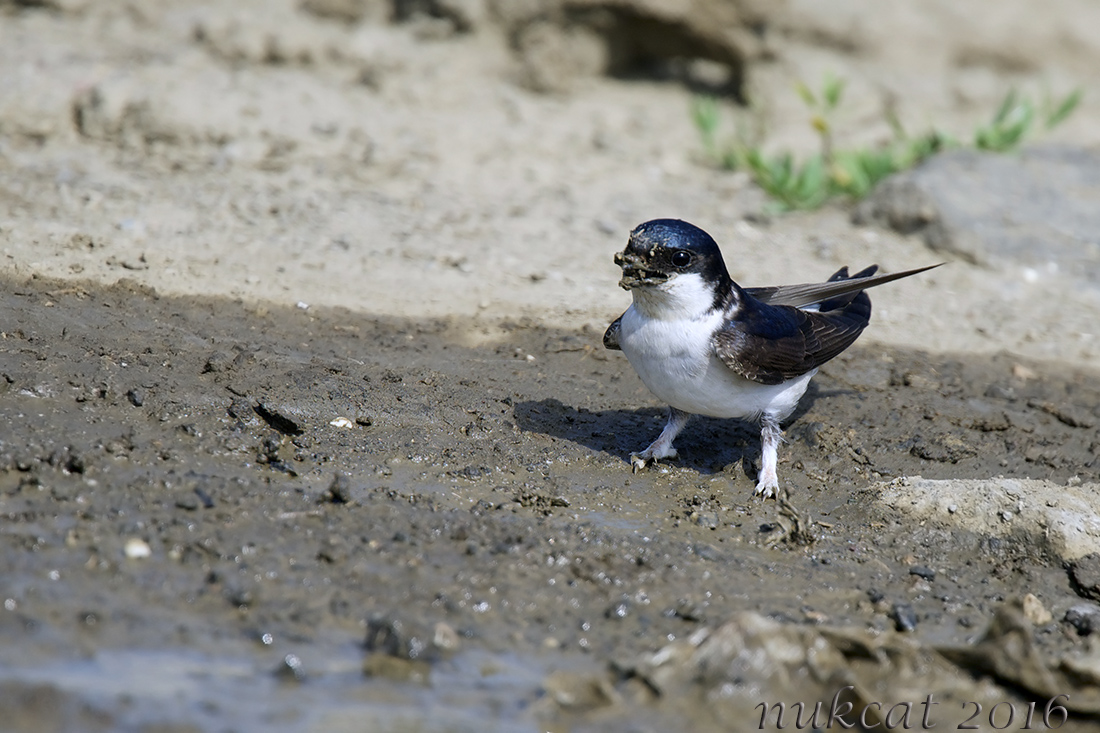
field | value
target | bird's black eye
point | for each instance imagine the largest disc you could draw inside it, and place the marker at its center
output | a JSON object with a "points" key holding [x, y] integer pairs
{"points": [[680, 258]]}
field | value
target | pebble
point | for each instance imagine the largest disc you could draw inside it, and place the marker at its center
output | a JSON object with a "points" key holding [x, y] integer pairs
{"points": [[1035, 612], [291, 669], [905, 618], [137, 549], [617, 611], [1084, 576], [1085, 617], [923, 571]]}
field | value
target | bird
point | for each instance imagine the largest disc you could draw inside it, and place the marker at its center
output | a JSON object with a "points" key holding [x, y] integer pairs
{"points": [[707, 346]]}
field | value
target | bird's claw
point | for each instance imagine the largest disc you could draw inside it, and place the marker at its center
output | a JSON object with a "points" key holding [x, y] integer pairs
{"points": [[767, 487], [646, 458]]}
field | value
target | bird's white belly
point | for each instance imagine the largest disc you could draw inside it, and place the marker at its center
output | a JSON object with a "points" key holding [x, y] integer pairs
{"points": [[676, 361]]}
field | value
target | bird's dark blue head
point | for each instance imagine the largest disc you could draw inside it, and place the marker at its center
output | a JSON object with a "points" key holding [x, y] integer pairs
{"points": [[662, 248]]}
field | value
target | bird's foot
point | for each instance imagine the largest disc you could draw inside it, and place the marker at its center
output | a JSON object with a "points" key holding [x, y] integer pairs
{"points": [[768, 485], [649, 457]]}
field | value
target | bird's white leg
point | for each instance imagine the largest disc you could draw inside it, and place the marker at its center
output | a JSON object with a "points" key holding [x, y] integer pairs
{"points": [[770, 437], [662, 447]]}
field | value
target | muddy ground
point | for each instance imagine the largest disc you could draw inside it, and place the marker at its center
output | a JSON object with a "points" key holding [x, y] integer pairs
{"points": [[478, 497], [308, 424]]}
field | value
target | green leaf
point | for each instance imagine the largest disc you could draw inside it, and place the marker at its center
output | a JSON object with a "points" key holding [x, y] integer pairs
{"points": [[1007, 105], [1065, 109], [810, 181], [832, 91]]}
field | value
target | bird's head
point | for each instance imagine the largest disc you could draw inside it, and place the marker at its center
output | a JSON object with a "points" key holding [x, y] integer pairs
{"points": [[674, 263]]}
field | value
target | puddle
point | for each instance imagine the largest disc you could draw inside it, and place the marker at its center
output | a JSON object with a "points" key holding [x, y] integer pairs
{"points": [[179, 687]]}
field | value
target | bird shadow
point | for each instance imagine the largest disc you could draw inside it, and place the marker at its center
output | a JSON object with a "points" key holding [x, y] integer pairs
{"points": [[708, 445]]}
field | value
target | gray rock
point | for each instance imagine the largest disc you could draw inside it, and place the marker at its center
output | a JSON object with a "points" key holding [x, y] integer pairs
{"points": [[1036, 208], [1084, 576], [1085, 617]]}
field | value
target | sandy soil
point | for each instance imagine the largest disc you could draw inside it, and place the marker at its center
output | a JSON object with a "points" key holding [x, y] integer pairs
{"points": [[247, 249]]}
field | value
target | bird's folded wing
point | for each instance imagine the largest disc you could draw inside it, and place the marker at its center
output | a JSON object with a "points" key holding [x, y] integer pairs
{"points": [[611, 335], [771, 344], [806, 294]]}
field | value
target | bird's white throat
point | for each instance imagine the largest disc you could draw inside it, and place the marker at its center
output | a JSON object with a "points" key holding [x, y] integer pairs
{"points": [[682, 296]]}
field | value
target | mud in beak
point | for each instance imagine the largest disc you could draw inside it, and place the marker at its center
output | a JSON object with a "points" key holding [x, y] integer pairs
{"points": [[635, 272]]}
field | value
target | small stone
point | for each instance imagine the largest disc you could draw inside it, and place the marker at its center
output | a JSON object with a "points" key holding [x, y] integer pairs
{"points": [[219, 361], [291, 669], [905, 618], [618, 611], [1085, 617], [579, 692], [136, 397], [137, 549], [707, 552], [1035, 611], [205, 498], [923, 571], [187, 501], [445, 637], [1084, 576], [710, 520]]}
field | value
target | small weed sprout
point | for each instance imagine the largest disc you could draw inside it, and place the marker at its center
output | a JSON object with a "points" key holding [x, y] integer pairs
{"points": [[853, 173]]}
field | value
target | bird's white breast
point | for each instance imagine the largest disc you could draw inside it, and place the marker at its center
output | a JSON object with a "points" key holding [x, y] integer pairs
{"points": [[668, 342]]}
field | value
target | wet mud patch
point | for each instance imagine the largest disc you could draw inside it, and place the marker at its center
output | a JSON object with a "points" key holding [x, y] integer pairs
{"points": [[393, 524]]}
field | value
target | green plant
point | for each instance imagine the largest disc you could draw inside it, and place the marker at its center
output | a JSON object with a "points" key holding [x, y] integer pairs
{"points": [[1014, 120], [853, 173]]}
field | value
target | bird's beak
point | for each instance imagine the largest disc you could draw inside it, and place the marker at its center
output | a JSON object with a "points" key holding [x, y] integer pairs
{"points": [[636, 272]]}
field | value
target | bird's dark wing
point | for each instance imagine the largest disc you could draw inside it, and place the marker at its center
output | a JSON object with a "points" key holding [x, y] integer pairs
{"points": [[773, 343], [611, 335], [800, 296]]}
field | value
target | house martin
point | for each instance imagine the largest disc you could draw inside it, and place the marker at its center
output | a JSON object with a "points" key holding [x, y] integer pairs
{"points": [[707, 346]]}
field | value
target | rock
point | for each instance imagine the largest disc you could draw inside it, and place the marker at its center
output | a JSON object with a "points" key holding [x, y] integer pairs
{"points": [[1033, 209], [942, 448], [1061, 520], [1007, 652], [1084, 576], [905, 618], [290, 669], [1035, 611], [618, 610], [396, 637], [137, 549], [923, 571], [1085, 617], [579, 692]]}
